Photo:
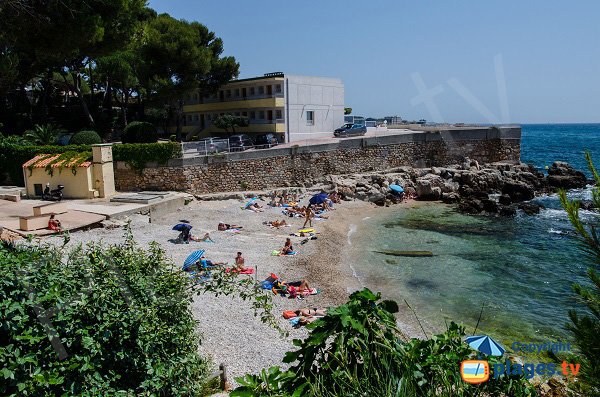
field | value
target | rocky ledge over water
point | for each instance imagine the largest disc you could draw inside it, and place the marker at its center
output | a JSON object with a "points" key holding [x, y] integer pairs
{"points": [[489, 189]]}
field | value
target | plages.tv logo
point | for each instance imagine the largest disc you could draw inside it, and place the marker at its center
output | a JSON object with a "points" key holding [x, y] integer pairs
{"points": [[478, 371]]}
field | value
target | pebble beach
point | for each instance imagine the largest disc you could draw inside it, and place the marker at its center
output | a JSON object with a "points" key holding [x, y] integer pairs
{"points": [[229, 331]]}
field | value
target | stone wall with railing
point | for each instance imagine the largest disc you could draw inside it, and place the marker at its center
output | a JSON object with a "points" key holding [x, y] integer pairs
{"points": [[302, 165]]}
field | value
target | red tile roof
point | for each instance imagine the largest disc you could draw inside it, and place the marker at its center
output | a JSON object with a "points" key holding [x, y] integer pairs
{"points": [[36, 163]]}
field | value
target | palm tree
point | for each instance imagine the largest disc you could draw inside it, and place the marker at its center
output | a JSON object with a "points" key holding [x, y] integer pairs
{"points": [[43, 134]]}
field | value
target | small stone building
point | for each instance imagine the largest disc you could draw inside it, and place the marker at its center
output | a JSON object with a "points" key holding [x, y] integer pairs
{"points": [[81, 179]]}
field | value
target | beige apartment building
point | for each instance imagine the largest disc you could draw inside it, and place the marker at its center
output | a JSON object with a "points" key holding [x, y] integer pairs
{"points": [[294, 107]]}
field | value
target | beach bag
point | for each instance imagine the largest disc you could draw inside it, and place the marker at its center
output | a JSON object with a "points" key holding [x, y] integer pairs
{"points": [[289, 314]]}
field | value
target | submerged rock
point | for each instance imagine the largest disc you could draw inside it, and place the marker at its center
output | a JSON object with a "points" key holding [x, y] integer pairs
{"points": [[530, 208]]}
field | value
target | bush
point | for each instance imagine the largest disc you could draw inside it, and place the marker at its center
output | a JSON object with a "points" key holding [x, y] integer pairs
{"points": [[137, 155], [96, 320], [357, 350], [85, 138], [12, 158], [139, 132]]}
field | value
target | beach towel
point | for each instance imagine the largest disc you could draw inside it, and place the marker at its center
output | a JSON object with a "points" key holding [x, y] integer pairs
{"points": [[247, 270], [235, 231], [293, 291]]}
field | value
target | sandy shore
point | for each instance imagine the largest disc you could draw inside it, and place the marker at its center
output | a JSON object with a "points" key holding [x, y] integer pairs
{"points": [[230, 332]]}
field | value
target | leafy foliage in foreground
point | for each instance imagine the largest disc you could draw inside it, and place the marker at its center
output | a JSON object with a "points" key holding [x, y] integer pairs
{"points": [[118, 319], [357, 350], [586, 328]]}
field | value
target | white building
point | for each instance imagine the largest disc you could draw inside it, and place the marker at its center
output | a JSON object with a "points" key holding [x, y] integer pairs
{"points": [[294, 107]]}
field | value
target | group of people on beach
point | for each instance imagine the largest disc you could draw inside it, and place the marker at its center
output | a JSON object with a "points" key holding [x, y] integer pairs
{"points": [[291, 203]]}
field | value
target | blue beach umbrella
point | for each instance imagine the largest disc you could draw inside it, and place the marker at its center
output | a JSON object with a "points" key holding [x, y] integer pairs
{"points": [[485, 345], [182, 226], [193, 258], [318, 198]]}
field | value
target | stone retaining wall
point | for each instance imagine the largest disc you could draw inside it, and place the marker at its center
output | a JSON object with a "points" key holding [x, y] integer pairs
{"points": [[301, 165]]}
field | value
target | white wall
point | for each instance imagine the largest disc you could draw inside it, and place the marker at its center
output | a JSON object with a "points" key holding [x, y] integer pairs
{"points": [[322, 95]]}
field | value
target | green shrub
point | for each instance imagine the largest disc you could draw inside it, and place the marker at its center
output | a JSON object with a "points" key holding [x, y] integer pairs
{"points": [[12, 158], [357, 350], [98, 321], [585, 322], [139, 132], [173, 138], [137, 155], [85, 138]]}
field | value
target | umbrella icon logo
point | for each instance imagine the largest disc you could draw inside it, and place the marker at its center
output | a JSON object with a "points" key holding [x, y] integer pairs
{"points": [[478, 371], [486, 345]]}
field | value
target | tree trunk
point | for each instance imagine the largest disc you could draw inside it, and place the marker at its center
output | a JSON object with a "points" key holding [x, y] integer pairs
{"points": [[77, 90], [178, 116], [126, 95]]}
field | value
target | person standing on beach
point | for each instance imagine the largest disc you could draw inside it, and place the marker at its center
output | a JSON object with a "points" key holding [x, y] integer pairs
{"points": [[308, 215]]}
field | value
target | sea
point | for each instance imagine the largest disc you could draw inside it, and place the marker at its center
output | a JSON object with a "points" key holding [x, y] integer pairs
{"points": [[510, 278]]}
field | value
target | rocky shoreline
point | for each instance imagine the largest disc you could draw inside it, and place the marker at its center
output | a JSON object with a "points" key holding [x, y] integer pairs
{"points": [[498, 189]]}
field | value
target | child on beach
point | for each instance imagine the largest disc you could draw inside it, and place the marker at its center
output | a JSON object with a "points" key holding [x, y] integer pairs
{"points": [[288, 248], [239, 262], [54, 224]]}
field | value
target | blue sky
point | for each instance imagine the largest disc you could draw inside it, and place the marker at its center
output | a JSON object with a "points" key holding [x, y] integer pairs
{"points": [[544, 55]]}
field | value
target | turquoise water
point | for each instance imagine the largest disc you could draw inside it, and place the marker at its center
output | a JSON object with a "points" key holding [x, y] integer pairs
{"points": [[520, 269]]}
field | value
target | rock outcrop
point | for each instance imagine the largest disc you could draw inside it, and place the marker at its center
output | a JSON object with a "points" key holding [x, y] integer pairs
{"points": [[497, 188]]}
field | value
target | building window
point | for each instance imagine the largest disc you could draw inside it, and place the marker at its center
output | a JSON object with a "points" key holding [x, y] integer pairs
{"points": [[278, 114], [237, 114], [261, 90], [252, 91], [237, 92], [310, 117], [196, 117], [228, 94], [277, 87], [245, 114], [261, 115], [252, 115]]}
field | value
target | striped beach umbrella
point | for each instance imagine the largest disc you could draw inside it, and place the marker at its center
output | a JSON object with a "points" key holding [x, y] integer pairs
{"points": [[193, 258], [485, 345]]}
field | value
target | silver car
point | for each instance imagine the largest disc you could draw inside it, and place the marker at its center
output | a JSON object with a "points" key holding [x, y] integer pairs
{"points": [[214, 145]]}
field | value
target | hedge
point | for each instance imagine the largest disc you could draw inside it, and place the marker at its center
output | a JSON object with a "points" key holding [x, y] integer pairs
{"points": [[139, 132], [85, 138], [12, 157], [137, 155]]}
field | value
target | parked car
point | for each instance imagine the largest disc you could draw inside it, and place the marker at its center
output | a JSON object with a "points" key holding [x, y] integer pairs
{"points": [[266, 140], [213, 144], [349, 129], [240, 142]]}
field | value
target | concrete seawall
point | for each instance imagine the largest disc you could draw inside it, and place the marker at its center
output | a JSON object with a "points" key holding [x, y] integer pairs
{"points": [[300, 165]]}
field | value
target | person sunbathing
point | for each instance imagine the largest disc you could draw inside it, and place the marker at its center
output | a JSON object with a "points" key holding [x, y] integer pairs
{"points": [[306, 312], [288, 248], [255, 207], [225, 226], [205, 239], [277, 223], [296, 288]]}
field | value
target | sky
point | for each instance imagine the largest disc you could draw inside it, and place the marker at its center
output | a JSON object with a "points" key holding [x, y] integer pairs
{"points": [[509, 61]]}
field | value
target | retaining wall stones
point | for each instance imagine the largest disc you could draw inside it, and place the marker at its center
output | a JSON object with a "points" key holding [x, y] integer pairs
{"points": [[302, 165]]}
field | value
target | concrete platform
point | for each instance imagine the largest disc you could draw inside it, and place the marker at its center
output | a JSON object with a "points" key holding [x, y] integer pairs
{"points": [[83, 213], [70, 220]]}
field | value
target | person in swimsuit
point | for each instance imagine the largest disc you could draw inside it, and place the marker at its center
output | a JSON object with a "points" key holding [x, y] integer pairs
{"points": [[239, 262], [308, 215], [225, 226], [306, 312], [288, 248]]}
